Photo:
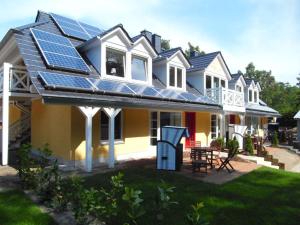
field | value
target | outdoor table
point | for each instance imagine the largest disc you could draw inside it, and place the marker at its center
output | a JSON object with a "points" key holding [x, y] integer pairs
{"points": [[207, 149]]}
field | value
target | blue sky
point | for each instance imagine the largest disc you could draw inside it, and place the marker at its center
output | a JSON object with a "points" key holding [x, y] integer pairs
{"points": [[265, 32]]}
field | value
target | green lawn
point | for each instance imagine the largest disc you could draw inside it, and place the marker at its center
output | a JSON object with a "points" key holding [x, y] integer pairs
{"points": [[17, 209], [264, 196]]}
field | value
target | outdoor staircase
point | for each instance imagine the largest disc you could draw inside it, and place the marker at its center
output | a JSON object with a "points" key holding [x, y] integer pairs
{"points": [[19, 131]]}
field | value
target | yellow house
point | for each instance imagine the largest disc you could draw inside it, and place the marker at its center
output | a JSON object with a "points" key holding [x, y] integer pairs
{"points": [[102, 96]]}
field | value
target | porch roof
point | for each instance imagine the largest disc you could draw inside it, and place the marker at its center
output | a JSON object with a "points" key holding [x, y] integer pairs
{"points": [[261, 109]]}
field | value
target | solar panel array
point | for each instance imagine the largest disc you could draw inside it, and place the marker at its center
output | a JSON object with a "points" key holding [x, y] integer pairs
{"points": [[62, 81], [59, 52], [75, 28]]}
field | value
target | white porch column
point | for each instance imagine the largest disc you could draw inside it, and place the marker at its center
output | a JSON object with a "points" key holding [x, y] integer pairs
{"points": [[5, 113], [242, 118], [111, 113], [89, 113]]}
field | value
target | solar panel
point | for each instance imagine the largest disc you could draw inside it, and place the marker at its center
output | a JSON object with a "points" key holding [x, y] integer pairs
{"points": [[56, 80], [59, 52], [172, 94], [189, 96], [91, 30], [144, 90], [75, 28], [112, 86]]}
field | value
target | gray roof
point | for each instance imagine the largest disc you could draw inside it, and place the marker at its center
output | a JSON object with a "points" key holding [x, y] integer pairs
{"points": [[201, 62], [135, 38], [166, 54], [34, 63], [261, 109], [235, 77], [297, 116], [248, 81]]}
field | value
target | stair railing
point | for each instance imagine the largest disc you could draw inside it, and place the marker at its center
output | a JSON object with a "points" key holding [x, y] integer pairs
{"points": [[19, 127]]}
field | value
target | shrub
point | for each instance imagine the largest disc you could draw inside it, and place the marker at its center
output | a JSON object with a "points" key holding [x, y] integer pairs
{"points": [[26, 172], [220, 142], [275, 141], [195, 217], [164, 200], [233, 146], [108, 202], [249, 145], [134, 201]]}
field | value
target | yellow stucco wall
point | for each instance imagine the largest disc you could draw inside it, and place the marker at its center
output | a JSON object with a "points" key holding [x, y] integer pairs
{"points": [[135, 134], [51, 124], [14, 114], [203, 128]]}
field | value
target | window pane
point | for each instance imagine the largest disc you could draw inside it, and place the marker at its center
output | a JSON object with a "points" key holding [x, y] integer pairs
{"points": [[208, 82], [223, 83], [105, 126], [255, 96], [250, 95], [115, 62], [153, 128], [170, 119], [238, 88], [216, 82], [172, 76], [179, 77], [138, 68]]}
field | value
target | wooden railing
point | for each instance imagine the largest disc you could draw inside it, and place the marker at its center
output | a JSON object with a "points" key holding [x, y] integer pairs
{"points": [[225, 96], [19, 80]]}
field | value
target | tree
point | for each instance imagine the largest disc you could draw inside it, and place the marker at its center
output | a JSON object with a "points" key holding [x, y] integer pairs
{"points": [[165, 44], [298, 80], [281, 96], [193, 48]]}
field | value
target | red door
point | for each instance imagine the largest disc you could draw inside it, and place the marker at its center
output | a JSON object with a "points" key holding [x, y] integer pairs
{"points": [[190, 123]]}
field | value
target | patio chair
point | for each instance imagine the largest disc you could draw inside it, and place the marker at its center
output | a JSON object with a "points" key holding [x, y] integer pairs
{"points": [[216, 152], [199, 160], [225, 162]]}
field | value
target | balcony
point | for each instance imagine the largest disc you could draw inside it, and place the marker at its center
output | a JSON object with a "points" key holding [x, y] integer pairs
{"points": [[19, 80], [229, 99]]}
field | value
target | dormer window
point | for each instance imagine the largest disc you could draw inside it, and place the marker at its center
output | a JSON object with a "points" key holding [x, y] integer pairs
{"points": [[208, 82], [172, 76], [175, 77], [115, 62], [250, 96], [255, 96], [238, 88], [216, 82], [179, 78], [139, 68], [223, 84]]}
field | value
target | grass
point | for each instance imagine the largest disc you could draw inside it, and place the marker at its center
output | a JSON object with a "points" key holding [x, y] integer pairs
{"points": [[262, 197], [17, 209]]}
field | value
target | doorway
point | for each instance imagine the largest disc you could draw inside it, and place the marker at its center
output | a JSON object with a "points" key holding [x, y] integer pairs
{"points": [[190, 123]]}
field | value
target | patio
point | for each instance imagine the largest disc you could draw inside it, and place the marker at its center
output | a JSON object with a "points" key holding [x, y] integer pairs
{"points": [[241, 167]]}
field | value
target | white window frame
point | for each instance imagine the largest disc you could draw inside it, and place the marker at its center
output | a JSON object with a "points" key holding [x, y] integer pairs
{"points": [[238, 86], [117, 141], [218, 126], [134, 55], [250, 90], [255, 99], [158, 122], [183, 76], [125, 59]]}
